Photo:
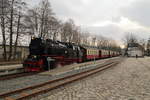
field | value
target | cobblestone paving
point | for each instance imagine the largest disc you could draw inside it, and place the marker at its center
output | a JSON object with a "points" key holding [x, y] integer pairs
{"points": [[129, 80]]}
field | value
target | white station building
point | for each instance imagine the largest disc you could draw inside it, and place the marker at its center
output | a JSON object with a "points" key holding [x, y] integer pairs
{"points": [[135, 49]]}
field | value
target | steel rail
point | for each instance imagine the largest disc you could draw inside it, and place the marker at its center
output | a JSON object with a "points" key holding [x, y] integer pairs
{"points": [[17, 75]]}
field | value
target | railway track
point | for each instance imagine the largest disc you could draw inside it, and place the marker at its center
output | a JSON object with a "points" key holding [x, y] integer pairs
{"points": [[31, 91], [17, 75]]}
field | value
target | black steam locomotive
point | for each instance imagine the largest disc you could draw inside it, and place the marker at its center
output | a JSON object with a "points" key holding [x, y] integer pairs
{"points": [[59, 53]]}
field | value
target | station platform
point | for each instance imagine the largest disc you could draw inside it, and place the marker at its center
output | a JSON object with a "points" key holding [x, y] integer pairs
{"points": [[10, 69], [9, 63], [74, 67]]}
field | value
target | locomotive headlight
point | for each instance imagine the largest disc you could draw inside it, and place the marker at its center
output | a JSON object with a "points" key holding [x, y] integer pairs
{"points": [[34, 56], [66, 52]]}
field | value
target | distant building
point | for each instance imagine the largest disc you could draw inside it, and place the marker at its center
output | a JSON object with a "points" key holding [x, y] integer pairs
{"points": [[135, 49], [148, 48], [22, 52]]}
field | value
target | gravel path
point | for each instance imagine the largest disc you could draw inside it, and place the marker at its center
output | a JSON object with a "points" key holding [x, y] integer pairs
{"points": [[129, 80]]}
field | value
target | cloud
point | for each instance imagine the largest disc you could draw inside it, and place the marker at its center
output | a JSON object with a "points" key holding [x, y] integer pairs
{"points": [[111, 31], [87, 12], [117, 30], [138, 11]]}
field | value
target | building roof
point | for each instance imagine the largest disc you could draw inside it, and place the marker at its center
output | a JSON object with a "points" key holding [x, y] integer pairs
{"points": [[131, 45]]}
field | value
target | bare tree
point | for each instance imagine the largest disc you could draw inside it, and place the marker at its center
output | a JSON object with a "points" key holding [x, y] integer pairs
{"points": [[130, 38], [32, 21], [45, 13], [84, 38], [56, 28], [102, 41], [10, 25], [11, 19], [3, 15], [19, 24], [142, 42], [67, 31], [76, 38], [53, 28], [40, 19]]}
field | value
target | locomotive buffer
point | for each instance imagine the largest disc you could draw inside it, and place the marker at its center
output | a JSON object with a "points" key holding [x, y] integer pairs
{"points": [[49, 59]]}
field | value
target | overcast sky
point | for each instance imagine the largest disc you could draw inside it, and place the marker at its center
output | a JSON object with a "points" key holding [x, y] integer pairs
{"points": [[111, 18]]}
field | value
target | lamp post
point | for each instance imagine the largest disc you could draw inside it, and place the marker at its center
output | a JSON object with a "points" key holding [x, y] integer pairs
{"points": [[49, 59]]}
